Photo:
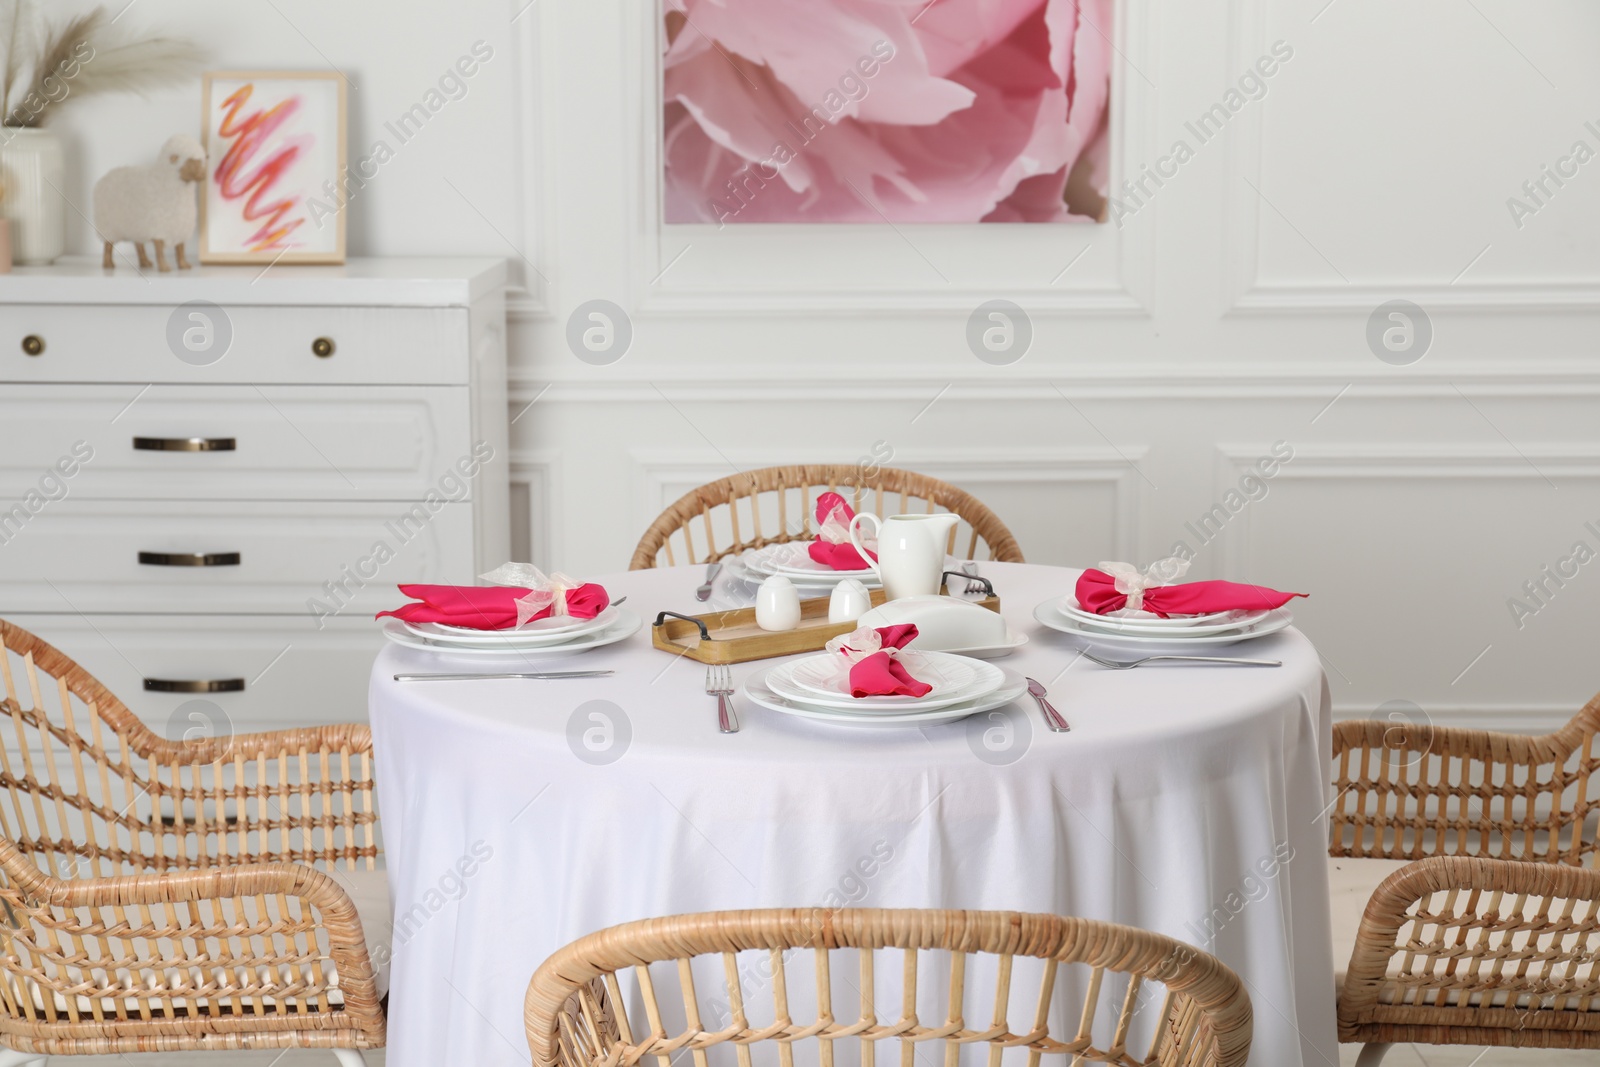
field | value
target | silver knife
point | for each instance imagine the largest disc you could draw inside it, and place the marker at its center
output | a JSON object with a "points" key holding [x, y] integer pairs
{"points": [[476, 677], [704, 592]]}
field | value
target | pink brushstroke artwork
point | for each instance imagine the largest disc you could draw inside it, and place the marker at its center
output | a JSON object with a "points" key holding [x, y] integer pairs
{"points": [[886, 110], [246, 138]]}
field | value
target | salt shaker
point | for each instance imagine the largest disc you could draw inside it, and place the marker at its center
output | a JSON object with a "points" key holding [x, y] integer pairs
{"points": [[850, 600], [777, 604]]}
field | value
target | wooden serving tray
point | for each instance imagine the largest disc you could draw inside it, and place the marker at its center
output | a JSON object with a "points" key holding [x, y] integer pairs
{"points": [[732, 636]]}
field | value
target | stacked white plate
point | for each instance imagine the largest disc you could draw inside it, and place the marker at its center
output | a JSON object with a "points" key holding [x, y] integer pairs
{"points": [[793, 560], [557, 635], [1147, 632], [818, 688]]}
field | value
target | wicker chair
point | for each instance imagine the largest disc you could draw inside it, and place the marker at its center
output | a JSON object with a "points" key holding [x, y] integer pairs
{"points": [[1474, 854], [573, 1018], [777, 506], [165, 896]]}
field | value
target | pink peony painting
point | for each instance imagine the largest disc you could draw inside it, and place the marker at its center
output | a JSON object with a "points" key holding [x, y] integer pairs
{"points": [[886, 110]]}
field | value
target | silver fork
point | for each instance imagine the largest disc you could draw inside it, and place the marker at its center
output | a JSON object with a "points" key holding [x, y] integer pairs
{"points": [[970, 569], [719, 684], [1129, 665]]}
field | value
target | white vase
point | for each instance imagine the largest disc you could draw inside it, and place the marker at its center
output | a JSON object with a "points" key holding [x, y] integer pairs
{"points": [[32, 168]]}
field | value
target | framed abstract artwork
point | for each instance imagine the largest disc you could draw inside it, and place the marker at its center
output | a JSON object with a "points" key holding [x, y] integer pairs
{"points": [[275, 161], [885, 111]]}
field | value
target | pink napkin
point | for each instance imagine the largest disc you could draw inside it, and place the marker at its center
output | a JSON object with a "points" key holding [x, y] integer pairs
{"points": [[832, 548], [489, 607], [1097, 592], [877, 670]]}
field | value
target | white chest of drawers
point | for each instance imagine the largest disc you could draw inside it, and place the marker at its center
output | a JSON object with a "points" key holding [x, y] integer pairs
{"points": [[211, 480]]}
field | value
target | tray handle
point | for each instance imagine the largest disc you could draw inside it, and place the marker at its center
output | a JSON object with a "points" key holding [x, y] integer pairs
{"points": [[988, 586], [705, 634]]}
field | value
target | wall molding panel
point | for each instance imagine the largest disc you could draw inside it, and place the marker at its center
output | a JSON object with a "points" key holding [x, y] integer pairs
{"points": [[1377, 462], [1523, 299], [539, 473], [774, 384], [1251, 293], [665, 474], [1116, 278]]}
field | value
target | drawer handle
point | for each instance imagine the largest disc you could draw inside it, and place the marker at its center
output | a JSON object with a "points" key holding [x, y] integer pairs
{"points": [[214, 685], [322, 347], [189, 559], [33, 344], [184, 444]]}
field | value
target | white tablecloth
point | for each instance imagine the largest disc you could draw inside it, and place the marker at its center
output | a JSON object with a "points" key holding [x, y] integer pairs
{"points": [[519, 815]]}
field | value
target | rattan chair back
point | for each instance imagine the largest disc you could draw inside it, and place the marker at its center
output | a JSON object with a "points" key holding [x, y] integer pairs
{"points": [[1195, 1010], [776, 504]]}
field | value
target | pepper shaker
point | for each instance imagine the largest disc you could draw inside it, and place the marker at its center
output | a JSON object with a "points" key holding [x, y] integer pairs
{"points": [[850, 601], [777, 604]]}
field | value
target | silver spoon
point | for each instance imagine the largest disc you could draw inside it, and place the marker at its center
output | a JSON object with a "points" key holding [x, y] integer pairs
{"points": [[1052, 717]]}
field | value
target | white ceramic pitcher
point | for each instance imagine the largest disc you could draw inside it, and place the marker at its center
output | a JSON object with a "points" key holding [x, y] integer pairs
{"points": [[910, 551]]}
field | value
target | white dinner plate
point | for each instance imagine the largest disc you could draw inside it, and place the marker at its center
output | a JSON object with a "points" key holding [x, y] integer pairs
{"points": [[1069, 606], [1184, 631], [792, 560], [548, 625], [1047, 614], [820, 584], [822, 673], [624, 626], [814, 681], [1014, 687], [521, 637], [1180, 634]]}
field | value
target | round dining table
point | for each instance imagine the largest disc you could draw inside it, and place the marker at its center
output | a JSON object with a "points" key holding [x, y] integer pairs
{"points": [[519, 815]]}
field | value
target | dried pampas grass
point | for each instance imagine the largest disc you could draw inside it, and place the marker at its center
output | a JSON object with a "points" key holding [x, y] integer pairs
{"points": [[84, 56]]}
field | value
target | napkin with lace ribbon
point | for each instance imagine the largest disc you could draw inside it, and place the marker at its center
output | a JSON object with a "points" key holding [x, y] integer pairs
{"points": [[832, 548], [1119, 586], [875, 666], [521, 593]]}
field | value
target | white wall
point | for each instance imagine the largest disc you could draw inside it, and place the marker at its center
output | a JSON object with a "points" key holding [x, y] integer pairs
{"points": [[1227, 314]]}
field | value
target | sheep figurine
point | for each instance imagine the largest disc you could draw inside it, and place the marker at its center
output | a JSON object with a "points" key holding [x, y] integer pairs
{"points": [[151, 203]]}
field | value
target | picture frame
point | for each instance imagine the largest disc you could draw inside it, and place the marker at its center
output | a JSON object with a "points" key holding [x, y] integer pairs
{"points": [[952, 112], [275, 166]]}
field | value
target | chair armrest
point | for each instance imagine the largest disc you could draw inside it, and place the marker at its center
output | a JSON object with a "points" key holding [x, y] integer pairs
{"points": [[240, 934], [1457, 941], [1459, 742], [292, 796], [343, 738], [1408, 790]]}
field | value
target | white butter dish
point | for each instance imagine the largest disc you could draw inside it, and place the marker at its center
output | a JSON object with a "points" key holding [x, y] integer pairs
{"points": [[944, 624]]}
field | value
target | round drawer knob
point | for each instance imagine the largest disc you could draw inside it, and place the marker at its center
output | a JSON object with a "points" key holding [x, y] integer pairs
{"points": [[33, 344], [322, 347]]}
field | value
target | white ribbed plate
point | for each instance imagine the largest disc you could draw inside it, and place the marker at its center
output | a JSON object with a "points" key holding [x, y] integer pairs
{"points": [[1047, 614], [812, 681], [529, 636], [1014, 688], [624, 626], [1178, 629]]}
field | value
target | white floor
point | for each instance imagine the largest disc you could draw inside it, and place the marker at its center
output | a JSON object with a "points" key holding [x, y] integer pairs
{"points": [[1472, 1056]]}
